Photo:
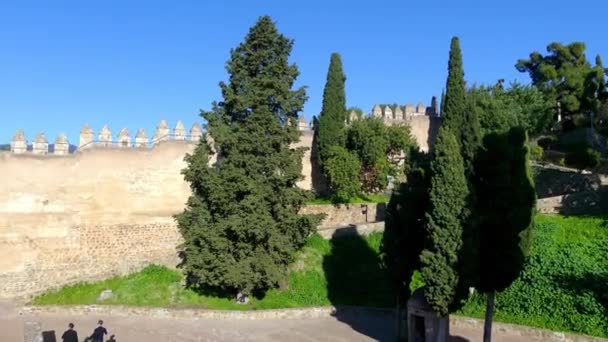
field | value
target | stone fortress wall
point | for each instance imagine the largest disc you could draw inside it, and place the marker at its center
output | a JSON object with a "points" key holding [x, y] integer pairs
{"points": [[106, 209]]}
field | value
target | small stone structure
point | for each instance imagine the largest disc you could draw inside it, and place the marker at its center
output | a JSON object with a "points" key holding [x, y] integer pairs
{"points": [[162, 132], [124, 139], [423, 323], [62, 146], [141, 139], [19, 143], [179, 132], [105, 137], [86, 137], [40, 145], [196, 133]]}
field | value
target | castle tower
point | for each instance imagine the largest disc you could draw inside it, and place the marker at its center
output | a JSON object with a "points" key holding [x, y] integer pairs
{"points": [[377, 111], [86, 137], [124, 139], [196, 132], [40, 144], [434, 110], [19, 143], [162, 132], [141, 139], [104, 138], [179, 132], [388, 113], [62, 146], [398, 114]]}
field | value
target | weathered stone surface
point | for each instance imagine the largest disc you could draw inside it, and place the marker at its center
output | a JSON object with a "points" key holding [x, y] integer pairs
{"points": [[124, 138], [179, 132], [40, 144], [141, 139], [19, 143], [86, 137], [162, 132], [104, 138], [196, 132], [62, 146], [105, 295], [343, 215], [377, 111]]}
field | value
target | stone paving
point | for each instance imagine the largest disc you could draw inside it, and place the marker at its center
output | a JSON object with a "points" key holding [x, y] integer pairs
{"points": [[135, 329]]}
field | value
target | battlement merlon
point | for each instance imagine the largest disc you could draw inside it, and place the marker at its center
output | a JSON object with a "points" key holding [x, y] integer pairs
{"points": [[41, 146]]}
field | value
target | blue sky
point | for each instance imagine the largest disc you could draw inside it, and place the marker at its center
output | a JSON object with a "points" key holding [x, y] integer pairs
{"points": [[131, 63]]}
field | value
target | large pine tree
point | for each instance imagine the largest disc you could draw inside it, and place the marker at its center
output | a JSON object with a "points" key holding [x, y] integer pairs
{"points": [[332, 120], [448, 201], [241, 225]]}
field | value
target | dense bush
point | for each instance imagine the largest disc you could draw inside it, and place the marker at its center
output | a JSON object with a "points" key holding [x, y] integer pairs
{"points": [[582, 158], [536, 152], [342, 171]]}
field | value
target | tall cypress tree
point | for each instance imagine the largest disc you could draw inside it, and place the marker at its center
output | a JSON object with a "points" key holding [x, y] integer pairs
{"points": [[506, 200], [241, 226], [447, 203], [454, 105], [458, 113], [332, 120], [442, 103]]}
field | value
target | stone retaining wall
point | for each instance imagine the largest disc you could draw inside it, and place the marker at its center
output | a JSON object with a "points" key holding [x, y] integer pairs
{"points": [[99, 311], [344, 215]]}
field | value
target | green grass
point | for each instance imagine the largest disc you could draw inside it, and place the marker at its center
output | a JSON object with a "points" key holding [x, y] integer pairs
{"points": [[564, 285], [372, 198]]}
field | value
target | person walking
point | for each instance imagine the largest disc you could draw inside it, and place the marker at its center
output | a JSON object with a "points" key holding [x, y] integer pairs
{"points": [[99, 332], [70, 335]]}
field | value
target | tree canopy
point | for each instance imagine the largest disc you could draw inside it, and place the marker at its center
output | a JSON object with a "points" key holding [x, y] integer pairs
{"points": [[241, 226], [447, 204]]}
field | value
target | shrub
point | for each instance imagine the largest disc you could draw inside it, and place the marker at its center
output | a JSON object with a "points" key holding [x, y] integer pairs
{"points": [[582, 158], [536, 152], [343, 169]]}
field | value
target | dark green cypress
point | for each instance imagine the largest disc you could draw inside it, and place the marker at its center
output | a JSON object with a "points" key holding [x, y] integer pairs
{"points": [[454, 105], [442, 103], [506, 200], [241, 226], [447, 204], [332, 120]]}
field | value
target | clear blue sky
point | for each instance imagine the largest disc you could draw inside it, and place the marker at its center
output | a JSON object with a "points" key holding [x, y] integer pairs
{"points": [[131, 63]]}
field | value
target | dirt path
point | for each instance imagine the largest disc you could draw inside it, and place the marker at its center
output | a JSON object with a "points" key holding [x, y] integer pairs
{"points": [[136, 329]]}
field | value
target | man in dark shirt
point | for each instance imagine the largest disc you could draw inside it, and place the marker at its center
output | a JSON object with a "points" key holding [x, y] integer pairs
{"points": [[99, 332], [70, 335]]}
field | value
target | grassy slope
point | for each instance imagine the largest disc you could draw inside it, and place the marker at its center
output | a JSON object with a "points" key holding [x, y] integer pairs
{"points": [[564, 286]]}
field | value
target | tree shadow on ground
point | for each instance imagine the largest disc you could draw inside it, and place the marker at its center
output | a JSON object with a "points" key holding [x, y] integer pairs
{"points": [[355, 278], [585, 203], [585, 285]]}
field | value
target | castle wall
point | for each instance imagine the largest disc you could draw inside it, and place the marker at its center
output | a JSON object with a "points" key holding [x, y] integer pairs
{"points": [[99, 212]]}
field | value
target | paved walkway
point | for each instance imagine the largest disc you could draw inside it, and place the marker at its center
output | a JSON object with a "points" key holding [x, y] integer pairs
{"points": [[136, 329]]}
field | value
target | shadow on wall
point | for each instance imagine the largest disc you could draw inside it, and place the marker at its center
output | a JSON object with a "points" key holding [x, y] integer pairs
{"points": [[551, 182], [585, 203], [434, 123], [355, 278]]}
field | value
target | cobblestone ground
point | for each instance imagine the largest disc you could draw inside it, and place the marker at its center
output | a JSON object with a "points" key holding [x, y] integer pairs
{"points": [[136, 329]]}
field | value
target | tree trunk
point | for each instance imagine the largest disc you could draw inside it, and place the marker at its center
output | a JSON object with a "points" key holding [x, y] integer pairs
{"points": [[487, 327]]}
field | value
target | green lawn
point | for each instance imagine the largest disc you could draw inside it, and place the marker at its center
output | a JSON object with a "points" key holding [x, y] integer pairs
{"points": [[564, 286], [372, 198]]}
